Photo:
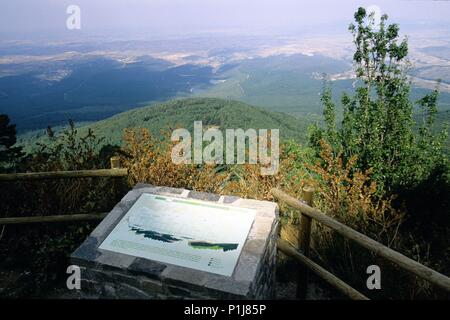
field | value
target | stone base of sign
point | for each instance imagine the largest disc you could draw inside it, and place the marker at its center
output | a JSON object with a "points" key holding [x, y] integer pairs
{"points": [[107, 274]]}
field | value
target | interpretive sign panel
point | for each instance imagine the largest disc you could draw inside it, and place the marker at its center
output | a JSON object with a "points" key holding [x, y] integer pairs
{"points": [[185, 232]]}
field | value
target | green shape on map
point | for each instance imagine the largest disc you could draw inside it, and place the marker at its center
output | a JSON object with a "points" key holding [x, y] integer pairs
{"points": [[163, 237], [213, 246]]}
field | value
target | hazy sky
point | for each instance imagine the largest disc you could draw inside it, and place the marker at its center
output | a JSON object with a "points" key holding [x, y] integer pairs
{"points": [[186, 16]]}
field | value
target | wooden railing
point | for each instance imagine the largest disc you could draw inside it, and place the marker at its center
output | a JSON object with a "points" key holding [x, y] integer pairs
{"points": [[53, 218], [115, 171], [309, 214], [64, 174]]}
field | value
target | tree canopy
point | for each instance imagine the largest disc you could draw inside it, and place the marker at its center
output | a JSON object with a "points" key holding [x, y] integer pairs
{"points": [[378, 124]]}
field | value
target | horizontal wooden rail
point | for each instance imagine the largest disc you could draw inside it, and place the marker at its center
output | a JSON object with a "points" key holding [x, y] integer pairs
{"points": [[55, 218], [64, 174], [330, 278], [401, 260]]}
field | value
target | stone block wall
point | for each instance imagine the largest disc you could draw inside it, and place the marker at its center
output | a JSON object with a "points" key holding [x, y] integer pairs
{"points": [[107, 274]]}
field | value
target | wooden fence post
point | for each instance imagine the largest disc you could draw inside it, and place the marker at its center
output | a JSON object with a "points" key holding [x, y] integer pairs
{"points": [[115, 165], [115, 162], [304, 241]]}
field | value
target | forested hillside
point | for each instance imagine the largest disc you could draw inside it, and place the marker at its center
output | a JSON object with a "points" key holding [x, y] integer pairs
{"points": [[183, 112]]}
